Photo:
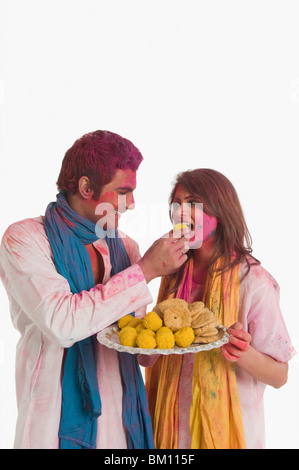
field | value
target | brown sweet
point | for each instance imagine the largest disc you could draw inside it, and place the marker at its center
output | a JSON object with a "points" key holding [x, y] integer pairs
{"points": [[205, 339], [172, 303], [176, 318], [197, 314], [210, 332], [204, 319], [196, 307], [205, 330]]}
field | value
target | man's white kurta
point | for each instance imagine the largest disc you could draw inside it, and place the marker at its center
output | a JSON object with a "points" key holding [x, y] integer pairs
{"points": [[50, 318]]}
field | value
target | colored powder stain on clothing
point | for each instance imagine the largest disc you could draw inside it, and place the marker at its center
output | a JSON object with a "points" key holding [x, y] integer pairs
{"points": [[213, 394], [136, 276]]}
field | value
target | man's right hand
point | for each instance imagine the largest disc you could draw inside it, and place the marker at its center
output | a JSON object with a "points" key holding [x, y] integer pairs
{"points": [[165, 256]]}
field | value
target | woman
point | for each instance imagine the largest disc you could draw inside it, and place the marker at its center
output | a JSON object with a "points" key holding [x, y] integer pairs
{"points": [[214, 399]]}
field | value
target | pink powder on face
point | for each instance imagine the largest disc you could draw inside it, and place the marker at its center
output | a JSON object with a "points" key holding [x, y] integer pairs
{"points": [[209, 226], [108, 196], [203, 231]]}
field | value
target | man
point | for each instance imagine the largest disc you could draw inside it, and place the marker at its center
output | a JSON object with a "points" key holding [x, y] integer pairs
{"points": [[68, 275]]}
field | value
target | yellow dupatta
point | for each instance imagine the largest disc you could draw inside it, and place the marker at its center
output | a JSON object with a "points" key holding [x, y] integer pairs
{"points": [[215, 412]]}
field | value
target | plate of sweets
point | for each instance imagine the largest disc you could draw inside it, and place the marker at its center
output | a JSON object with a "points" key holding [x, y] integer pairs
{"points": [[172, 327]]}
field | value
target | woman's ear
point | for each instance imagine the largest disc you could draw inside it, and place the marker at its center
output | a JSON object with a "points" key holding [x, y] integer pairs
{"points": [[84, 187]]}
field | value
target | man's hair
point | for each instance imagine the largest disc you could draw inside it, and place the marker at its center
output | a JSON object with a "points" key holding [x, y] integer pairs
{"points": [[97, 155]]}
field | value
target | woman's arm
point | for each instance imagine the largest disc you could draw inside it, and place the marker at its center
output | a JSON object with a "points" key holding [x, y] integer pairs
{"points": [[261, 366]]}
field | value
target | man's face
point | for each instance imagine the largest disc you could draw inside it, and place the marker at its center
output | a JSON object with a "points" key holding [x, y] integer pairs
{"points": [[116, 197]]}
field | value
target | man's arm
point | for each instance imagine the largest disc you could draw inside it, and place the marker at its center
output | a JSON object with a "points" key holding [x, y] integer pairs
{"points": [[45, 297]]}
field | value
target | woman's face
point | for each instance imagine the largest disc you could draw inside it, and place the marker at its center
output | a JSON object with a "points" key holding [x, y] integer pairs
{"points": [[189, 210]]}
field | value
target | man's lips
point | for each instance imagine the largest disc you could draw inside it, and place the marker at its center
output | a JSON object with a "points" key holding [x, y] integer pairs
{"points": [[118, 213]]}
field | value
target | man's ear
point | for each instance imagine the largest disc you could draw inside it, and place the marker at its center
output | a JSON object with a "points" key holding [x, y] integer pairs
{"points": [[84, 187]]}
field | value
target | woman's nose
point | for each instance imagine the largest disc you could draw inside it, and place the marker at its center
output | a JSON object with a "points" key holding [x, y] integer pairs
{"points": [[180, 212]]}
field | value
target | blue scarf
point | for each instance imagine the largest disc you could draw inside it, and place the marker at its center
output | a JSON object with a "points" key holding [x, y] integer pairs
{"points": [[68, 232]]}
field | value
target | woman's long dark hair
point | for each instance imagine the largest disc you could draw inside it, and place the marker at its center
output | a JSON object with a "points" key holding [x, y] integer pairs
{"points": [[232, 238]]}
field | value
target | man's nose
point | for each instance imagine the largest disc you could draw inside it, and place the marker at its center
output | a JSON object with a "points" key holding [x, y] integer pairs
{"points": [[130, 202], [126, 202]]}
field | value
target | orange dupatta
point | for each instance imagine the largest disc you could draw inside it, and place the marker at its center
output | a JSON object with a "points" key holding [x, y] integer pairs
{"points": [[215, 412]]}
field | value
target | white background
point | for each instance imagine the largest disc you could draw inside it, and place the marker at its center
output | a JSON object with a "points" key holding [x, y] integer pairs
{"points": [[193, 84]]}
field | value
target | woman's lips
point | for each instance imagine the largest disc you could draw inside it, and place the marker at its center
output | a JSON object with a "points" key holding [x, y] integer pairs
{"points": [[190, 225]]}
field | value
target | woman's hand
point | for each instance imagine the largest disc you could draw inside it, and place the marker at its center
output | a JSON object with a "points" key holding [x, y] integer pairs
{"points": [[238, 344]]}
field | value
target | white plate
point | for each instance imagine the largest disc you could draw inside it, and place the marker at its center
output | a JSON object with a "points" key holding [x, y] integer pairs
{"points": [[109, 338]]}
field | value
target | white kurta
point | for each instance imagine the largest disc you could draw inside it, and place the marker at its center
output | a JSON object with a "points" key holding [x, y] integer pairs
{"points": [[50, 318]]}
